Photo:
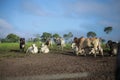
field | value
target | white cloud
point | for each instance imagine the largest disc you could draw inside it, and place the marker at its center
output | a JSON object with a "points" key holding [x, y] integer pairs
{"points": [[5, 28], [34, 9], [4, 24], [80, 8]]}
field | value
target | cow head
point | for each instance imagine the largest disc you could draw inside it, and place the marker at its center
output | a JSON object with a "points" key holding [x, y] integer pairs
{"points": [[73, 45], [75, 40]]}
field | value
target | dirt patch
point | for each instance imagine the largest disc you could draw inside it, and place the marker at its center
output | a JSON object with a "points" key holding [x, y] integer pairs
{"points": [[59, 62]]}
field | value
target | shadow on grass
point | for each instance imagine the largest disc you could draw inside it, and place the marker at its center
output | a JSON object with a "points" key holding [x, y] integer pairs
{"points": [[17, 51], [14, 50], [69, 53]]}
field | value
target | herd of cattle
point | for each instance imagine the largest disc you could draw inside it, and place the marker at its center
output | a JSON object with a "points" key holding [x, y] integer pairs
{"points": [[44, 47], [80, 46]]}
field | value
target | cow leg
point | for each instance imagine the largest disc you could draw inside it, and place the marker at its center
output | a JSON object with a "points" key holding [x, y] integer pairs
{"points": [[115, 50], [95, 52], [27, 52], [95, 55], [58, 47], [62, 47], [101, 51], [77, 53], [84, 52]]}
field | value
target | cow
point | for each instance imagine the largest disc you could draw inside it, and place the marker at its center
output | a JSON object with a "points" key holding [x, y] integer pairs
{"points": [[60, 42], [92, 51], [44, 48], [118, 63], [113, 47], [75, 50], [22, 44], [32, 49], [89, 44], [48, 42]]}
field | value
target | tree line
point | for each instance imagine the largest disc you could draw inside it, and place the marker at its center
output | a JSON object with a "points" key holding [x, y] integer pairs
{"points": [[15, 38]]}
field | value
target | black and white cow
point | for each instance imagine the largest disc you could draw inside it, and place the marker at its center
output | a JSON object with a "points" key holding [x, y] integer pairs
{"points": [[22, 44], [60, 42], [49, 42], [113, 47]]}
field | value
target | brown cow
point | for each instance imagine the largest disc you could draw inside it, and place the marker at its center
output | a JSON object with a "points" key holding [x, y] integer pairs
{"points": [[87, 44]]}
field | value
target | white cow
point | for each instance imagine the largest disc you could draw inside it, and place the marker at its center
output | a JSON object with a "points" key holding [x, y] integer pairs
{"points": [[44, 48], [93, 52], [32, 49], [60, 42], [75, 50]]}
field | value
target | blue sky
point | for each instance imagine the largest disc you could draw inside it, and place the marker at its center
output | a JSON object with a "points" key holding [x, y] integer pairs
{"points": [[28, 17]]}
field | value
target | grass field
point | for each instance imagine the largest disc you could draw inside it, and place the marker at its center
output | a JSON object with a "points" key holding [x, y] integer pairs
{"points": [[12, 49]]}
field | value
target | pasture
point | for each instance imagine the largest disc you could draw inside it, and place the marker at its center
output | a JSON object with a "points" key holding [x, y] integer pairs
{"points": [[56, 65]]}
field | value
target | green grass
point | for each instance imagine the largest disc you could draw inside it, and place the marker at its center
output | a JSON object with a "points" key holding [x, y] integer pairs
{"points": [[8, 46], [106, 49], [14, 46], [12, 55], [12, 49], [8, 50]]}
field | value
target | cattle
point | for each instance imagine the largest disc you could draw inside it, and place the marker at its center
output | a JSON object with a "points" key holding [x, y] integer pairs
{"points": [[44, 48], [48, 42], [118, 63], [60, 42], [92, 51], [90, 45], [113, 47], [32, 49], [75, 50], [22, 44]]}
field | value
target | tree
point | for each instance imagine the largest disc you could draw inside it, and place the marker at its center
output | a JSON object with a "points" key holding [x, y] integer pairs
{"points": [[37, 38], [56, 35], [108, 29], [30, 39], [12, 38], [68, 36], [102, 40], [46, 36], [91, 34], [65, 36], [37, 35]]}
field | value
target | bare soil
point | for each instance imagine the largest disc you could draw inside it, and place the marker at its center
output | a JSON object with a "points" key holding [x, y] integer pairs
{"points": [[58, 62]]}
